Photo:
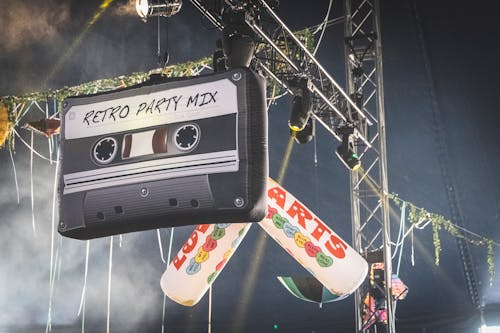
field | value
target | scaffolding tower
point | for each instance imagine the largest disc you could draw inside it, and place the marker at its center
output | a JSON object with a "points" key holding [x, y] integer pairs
{"points": [[369, 190]]}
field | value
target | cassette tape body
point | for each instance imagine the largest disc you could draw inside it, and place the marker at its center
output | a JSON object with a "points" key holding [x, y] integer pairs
{"points": [[160, 154]]}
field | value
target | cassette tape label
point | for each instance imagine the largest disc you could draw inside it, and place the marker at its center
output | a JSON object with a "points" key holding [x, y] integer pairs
{"points": [[145, 110]]}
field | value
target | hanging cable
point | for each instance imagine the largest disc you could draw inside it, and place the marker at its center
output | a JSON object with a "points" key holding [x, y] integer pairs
{"points": [[322, 26]]}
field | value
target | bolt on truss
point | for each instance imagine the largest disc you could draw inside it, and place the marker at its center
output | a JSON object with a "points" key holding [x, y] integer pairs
{"points": [[369, 188]]}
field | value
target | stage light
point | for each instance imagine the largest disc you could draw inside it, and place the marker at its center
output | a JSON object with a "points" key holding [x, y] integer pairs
{"points": [[149, 8], [346, 152], [301, 105], [307, 133], [238, 39], [299, 115]]}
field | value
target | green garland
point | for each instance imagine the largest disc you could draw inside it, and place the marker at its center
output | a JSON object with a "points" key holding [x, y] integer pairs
{"points": [[417, 215]]}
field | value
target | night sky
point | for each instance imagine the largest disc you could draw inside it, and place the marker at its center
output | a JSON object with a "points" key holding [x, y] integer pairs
{"points": [[48, 45]]}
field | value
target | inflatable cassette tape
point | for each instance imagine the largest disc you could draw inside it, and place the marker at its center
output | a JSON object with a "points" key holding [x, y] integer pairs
{"points": [[168, 153]]}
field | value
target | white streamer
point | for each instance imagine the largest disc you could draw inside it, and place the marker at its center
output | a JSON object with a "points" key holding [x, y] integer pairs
{"points": [[165, 296], [159, 245], [84, 289], [28, 146], [210, 309], [31, 189], [109, 282], [412, 253], [53, 262], [48, 328], [15, 175]]}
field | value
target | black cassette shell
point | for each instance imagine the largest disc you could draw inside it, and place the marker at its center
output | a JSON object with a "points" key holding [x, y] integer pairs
{"points": [[211, 167]]}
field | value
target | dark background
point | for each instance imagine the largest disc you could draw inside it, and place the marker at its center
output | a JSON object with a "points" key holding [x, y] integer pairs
{"points": [[461, 40]]}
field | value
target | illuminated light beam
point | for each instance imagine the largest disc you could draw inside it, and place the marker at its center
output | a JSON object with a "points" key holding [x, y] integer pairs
{"points": [[62, 60], [259, 250], [286, 159]]}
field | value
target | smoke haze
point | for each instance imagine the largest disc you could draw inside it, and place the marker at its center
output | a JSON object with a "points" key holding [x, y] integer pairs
{"points": [[125, 9], [25, 262], [26, 22]]}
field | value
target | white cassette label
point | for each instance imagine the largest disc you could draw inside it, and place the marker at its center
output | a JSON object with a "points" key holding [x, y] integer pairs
{"points": [[163, 107]]}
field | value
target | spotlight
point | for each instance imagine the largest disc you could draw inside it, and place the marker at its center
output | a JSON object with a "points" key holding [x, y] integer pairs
{"points": [[301, 104], [346, 151], [149, 8], [238, 39], [300, 113], [307, 133]]}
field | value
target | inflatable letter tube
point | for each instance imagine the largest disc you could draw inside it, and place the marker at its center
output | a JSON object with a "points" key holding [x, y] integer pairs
{"points": [[312, 243], [200, 260]]}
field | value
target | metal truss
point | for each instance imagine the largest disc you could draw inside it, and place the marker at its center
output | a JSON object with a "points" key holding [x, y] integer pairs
{"points": [[282, 56], [369, 201]]}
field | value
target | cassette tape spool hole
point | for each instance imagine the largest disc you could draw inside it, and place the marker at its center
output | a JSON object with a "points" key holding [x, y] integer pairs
{"points": [[104, 151], [187, 137]]}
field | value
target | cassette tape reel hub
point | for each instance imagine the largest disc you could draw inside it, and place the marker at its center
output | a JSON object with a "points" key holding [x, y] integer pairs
{"points": [[104, 151], [187, 136], [179, 152]]}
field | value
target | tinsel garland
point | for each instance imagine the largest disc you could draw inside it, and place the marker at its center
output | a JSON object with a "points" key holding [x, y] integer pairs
{"points": [[5, 124], [417, 215], [189, 68]]}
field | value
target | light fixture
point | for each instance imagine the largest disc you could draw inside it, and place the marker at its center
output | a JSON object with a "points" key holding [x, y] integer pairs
{"points": [[300, 113], [307, 133], [149, 8], [346, 152], [301, 106], [237, 39]]}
